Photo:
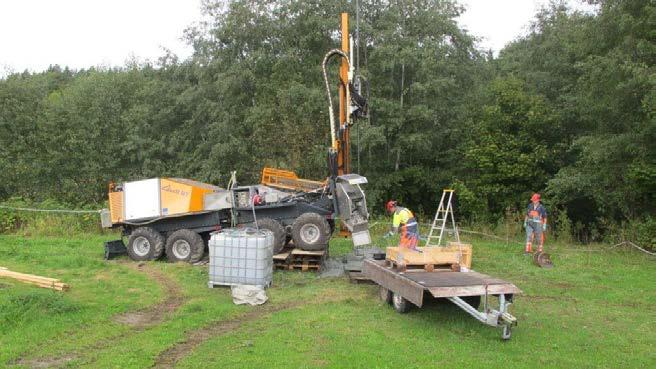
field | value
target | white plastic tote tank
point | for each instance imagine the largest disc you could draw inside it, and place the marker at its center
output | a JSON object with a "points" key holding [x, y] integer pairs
{"points": [[241, 256]]}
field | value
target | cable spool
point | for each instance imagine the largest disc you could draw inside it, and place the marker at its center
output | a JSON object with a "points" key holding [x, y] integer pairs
{"points": [[542, 260]]}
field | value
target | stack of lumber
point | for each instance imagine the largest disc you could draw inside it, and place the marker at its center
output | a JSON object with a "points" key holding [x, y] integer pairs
{"points": [[44, 282]]}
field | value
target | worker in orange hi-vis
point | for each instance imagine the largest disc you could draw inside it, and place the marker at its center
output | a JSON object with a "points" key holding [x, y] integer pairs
{"points": [[535, 223], [404, 220]]}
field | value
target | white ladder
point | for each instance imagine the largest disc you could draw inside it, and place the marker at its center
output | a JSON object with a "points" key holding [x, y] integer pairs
{"points": [[441, 217]]}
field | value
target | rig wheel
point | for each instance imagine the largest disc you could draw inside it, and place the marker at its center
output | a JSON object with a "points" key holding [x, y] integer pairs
{"points": [[311, 232], [279, 234], [185, 245], [145, 243]]}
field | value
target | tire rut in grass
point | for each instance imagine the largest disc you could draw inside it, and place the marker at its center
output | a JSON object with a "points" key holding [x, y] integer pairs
{"points": [[157, 313], [137, 320], [171, 356]]}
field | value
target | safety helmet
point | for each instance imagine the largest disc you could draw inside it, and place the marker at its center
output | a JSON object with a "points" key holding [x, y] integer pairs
{"points": [[391, 204], [535, 197]]}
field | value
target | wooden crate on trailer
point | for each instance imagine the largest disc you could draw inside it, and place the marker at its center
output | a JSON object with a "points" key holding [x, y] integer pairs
{"points": [[467, 251], [453, 257]]}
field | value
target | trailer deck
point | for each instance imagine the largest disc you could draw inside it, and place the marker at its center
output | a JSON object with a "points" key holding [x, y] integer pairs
{"points": [[414, 285]]}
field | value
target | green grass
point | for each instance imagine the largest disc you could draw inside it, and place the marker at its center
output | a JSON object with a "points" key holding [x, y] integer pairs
{"points": [[594, 310]]}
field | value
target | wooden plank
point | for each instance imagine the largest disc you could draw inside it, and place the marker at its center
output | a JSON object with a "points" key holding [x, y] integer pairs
{"points": [[54, 286], [9, 273], [312, 253], [26, 277], [40, 281], [281, 256], [30, 279]]}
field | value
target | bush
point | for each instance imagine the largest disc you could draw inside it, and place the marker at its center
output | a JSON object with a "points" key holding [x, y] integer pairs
{"points": [[641, 231], [562, 226]]}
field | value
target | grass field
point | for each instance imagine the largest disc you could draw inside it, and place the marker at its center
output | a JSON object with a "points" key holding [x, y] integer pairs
{"points": [[594, 310]]}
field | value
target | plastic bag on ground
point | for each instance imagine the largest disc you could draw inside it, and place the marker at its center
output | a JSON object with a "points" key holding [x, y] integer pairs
{"points": [[248, 294]]}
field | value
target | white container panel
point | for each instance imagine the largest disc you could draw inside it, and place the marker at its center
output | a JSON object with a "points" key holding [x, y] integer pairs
{"points": [[142, 199]]}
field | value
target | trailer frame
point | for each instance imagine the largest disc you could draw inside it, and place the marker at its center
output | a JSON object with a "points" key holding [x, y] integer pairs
{"points": [[414, 285]]}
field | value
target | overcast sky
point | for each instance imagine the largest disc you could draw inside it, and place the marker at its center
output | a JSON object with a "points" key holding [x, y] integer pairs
{"points": [[82, 33]]}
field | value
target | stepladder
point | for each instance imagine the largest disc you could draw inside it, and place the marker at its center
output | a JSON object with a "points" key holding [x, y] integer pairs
{"points": [[444, 219]]}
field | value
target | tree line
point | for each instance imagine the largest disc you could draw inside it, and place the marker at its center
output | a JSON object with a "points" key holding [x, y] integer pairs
{"points": [[568, 110]]}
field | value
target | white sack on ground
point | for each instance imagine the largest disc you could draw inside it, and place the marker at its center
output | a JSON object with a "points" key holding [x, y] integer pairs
{"points": [[246, 294]]}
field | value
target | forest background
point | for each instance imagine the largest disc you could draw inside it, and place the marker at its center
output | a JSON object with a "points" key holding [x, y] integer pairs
{"points": [[568, 110]]}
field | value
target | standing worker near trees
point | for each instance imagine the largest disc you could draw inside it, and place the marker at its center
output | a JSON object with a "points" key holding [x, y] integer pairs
{"points": [[535, 223], [407, 222]]}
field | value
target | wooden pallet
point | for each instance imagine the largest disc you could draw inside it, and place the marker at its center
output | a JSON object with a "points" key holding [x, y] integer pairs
{"points": [[297, 259], [281, 260], [303, 267]]}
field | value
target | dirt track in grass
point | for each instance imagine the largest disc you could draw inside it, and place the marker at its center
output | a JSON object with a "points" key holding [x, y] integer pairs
{"points": [[169, 357], [155, 314], [137, 320]]}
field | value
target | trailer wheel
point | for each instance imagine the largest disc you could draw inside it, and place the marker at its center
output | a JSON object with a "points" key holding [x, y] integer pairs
{"points": [[507, 332], [385, 294], [145, 243], [278, 231], [184, 245], [311, 232], [400, 304]]}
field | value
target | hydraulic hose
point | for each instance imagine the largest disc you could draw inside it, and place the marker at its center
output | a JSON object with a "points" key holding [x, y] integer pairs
{"points": [[326, 58]]}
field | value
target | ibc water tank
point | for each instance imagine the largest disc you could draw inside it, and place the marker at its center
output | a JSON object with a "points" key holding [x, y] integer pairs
{"points": [[241, 256]]}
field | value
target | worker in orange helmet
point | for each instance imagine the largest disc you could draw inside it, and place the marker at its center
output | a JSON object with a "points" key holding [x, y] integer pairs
{"points": [[405, 220], [535, 223]]}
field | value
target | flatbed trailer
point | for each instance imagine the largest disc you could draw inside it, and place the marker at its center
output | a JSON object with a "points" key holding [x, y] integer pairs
{"points": [[465, 289]]}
